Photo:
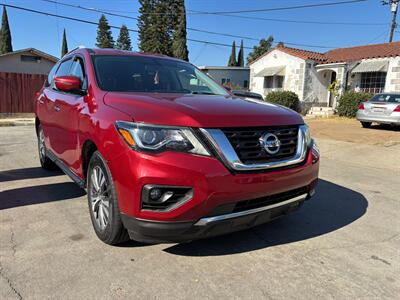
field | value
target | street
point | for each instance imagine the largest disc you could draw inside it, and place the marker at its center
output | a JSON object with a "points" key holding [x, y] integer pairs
{"points": [[343, 244]]}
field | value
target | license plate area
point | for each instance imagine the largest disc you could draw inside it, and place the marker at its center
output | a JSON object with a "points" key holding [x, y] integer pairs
{"points": [[379, 110]]}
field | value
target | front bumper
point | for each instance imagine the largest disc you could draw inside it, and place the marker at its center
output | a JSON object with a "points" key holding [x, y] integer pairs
{"points": [[174, 232], [394, 118]]}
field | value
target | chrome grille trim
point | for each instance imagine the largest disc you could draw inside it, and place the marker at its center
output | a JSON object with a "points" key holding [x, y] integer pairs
{"points": [[225, 150]]}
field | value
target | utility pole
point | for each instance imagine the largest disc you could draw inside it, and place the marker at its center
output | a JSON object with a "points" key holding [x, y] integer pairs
{"points": [[393, 7]]}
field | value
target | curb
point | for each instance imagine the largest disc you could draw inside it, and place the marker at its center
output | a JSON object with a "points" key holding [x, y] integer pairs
{"points": [[16, 122]]}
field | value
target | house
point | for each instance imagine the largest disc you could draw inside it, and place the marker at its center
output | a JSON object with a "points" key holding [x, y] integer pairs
{"points": [[229, 76], [27, 61], [320, 78]]}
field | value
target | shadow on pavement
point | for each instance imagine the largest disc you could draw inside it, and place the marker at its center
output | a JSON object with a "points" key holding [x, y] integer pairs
{"points": [[27, 173], [39, 194], [332, 208], [385, 127]]}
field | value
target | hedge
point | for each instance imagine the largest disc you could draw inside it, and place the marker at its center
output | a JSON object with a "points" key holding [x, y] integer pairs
{"points": [[349, 102], [285, 98]]}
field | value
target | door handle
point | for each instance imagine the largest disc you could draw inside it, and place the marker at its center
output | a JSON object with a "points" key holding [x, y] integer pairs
{"points": [[57, 108]]}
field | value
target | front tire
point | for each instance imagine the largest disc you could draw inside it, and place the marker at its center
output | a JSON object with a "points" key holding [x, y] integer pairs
{"points": [[45, 162], [366, 124], [103, 203]]}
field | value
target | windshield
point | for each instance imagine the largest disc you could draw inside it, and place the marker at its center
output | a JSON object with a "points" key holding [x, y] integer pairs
{"points": [[392, 98], [152, 75]]}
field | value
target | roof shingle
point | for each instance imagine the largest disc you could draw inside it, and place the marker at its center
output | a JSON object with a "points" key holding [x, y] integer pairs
{"points": [[345, 54]]}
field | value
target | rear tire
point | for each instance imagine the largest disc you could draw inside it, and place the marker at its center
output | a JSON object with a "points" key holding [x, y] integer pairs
{"points": [[45, 162], [366, 124], [103, 202]]}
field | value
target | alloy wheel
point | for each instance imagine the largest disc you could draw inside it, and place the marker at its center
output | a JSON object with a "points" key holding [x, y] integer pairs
{"points": [[100, 197], [42, 147]]}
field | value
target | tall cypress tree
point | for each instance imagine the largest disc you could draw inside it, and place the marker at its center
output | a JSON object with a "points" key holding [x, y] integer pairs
{"points": [[240, 60], [145, 25], [161, 41], [5, 34], [232, 58], [64, 46], [179, 44], [124, 40], [104, 36]]}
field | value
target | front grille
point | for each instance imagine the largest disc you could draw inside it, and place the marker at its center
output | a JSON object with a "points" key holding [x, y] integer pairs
{"points": [[245, 142], [269, 200]]}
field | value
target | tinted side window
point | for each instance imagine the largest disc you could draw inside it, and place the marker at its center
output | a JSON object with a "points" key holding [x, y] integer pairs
{"points": [[64, 68], [78, 70], [52, 72]]}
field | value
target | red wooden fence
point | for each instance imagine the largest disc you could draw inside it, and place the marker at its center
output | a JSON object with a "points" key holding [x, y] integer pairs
{"points": [[18, 90]]}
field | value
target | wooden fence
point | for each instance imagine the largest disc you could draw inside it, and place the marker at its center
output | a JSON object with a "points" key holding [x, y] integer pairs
{"points": [[18, 90]]}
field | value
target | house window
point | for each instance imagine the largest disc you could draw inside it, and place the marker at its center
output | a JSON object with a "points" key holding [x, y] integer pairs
{"points": [[225, 81], [246, 84], [279, 81], [30, 58], [271, 82], [373, 82]]}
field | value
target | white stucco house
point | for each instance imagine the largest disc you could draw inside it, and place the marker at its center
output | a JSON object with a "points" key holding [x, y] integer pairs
{"points": [[370, 68], [231, 76]]}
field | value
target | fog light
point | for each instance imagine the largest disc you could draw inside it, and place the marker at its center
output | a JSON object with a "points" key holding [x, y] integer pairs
{"points": [[164, 197], [155, 194]]}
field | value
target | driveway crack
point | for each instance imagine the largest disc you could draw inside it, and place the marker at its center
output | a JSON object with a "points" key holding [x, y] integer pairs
{"points": [[10, 284]]}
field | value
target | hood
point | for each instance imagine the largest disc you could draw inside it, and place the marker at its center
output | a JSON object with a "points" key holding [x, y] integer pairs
{"points": [[206, 111]]}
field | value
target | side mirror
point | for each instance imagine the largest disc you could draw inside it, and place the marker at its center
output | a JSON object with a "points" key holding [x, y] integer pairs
{"points": [[70, 84], [228, 88]]}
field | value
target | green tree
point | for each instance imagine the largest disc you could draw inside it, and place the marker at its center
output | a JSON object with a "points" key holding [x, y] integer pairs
{"points": [[104, 36], [5, 34], [161, 25], [264, 46], [179, 42], [145, 24], [64, 46], [232, 59], [240, 60], [124, 40]]}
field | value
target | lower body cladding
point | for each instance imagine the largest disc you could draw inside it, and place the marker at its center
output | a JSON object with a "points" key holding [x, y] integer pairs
{"points": [[210, 200], [213, 225]]}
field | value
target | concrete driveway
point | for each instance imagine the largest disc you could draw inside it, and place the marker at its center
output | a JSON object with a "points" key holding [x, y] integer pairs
{"points": [[343, 244]]}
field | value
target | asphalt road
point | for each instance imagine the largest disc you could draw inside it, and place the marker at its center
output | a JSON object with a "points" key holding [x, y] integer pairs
{"points": [[342, 244]]}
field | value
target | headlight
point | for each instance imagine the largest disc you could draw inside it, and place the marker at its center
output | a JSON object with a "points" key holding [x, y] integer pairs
{"points": [[154, 138], [306, 134]]}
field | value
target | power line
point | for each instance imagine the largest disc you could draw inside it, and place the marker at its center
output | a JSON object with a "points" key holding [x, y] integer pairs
{"points": [[112, 13], [96, 23], [283, 8], [136, 19], [188, 28], [302, 21]]}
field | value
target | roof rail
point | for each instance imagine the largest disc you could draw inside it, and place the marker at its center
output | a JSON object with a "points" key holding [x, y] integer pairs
{"points": [[79, 47]]}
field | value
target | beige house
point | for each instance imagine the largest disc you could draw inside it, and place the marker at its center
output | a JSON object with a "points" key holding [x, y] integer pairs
{"points": [[27, 61], [369, 68]]}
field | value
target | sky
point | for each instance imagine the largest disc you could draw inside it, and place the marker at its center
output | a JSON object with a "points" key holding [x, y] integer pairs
{"points": [[45, 32]]}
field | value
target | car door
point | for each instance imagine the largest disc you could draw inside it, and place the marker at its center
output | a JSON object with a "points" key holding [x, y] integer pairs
{"points": [[44, 108], [53, 125], [69, 106]]}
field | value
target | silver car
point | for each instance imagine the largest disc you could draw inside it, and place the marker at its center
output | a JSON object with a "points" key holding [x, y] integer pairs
{"points": [[381, 108]]}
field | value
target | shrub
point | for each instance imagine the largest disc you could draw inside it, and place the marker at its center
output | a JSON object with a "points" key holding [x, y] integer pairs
{"points": [[349, 102], [285, 98]]}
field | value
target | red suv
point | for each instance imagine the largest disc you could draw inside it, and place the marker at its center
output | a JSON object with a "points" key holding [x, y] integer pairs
{"points": [[165, 153]]}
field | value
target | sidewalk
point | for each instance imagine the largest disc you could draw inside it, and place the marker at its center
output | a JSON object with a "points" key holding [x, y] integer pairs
{"points": [[17, 122]]}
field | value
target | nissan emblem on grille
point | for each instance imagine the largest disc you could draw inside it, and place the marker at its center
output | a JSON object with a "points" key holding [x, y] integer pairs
{"points": [[270, 143]]}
